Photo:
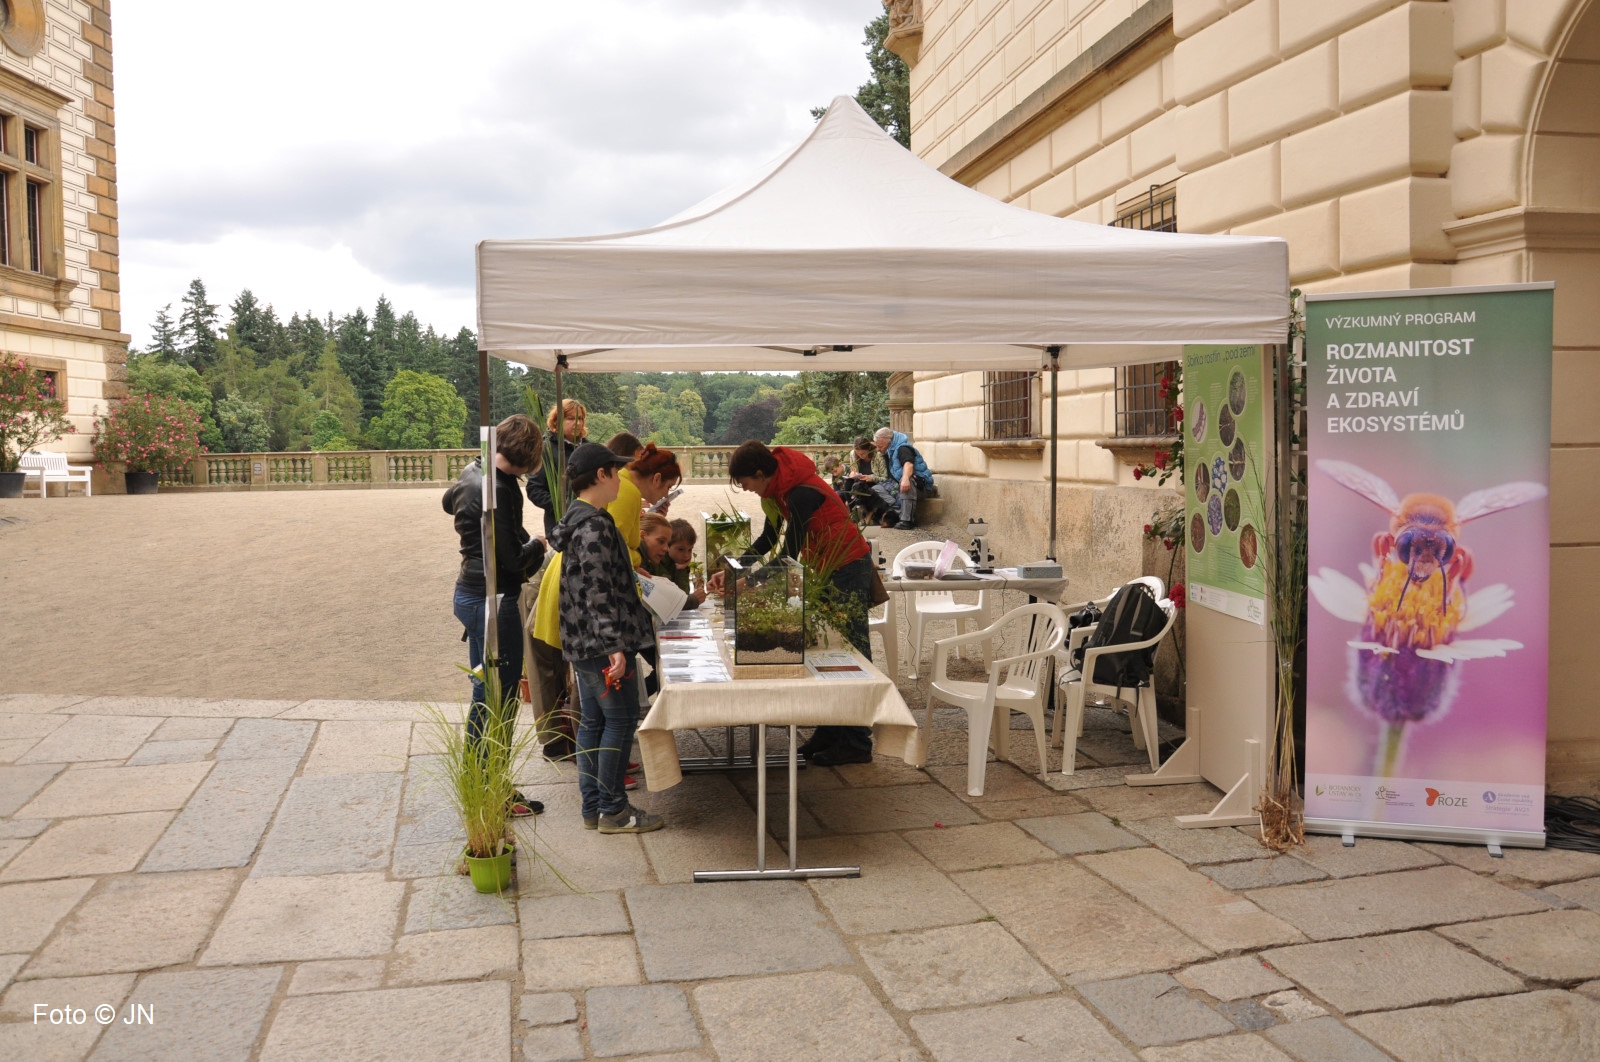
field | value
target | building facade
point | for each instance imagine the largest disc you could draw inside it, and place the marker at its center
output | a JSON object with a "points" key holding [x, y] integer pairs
{"points": [[59, 302], [1393, 144]]}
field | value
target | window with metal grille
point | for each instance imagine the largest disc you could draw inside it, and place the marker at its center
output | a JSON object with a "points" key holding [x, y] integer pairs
{"points": [[1008, 402], [1142, 410]]}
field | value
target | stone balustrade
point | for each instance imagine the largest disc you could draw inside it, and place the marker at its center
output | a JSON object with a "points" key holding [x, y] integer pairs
{"points": [[395, 468]]}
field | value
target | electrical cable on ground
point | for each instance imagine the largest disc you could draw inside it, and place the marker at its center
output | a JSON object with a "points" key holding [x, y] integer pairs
{"points": [[1572, 822]]}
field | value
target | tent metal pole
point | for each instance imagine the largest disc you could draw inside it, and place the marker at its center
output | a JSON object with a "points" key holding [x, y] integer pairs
{"points": [[491, 611], [561, 431], [1055, 416]]}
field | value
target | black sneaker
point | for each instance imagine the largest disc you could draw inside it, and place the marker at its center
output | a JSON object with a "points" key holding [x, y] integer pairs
{"points": [[905, 526], [521, 807], [591, 822], [630, 820], [838, 755]]}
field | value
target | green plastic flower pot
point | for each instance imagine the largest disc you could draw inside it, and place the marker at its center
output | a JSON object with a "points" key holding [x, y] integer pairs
{"points": [[492, 874]]}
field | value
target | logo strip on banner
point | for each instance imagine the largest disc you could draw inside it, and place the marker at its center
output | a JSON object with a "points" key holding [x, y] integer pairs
{"points": [[1428, 416]]}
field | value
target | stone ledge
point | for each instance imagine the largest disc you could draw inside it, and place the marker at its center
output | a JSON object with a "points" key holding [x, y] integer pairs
{"points": [[1136, 449], [1012, 449]]}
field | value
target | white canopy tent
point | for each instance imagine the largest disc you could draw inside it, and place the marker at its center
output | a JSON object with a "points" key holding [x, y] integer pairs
{"points": [[850, 253]]}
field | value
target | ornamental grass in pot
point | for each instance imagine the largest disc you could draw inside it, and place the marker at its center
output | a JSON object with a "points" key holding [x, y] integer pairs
{"points": [[30, 413], [144, 434], [479, 777]]}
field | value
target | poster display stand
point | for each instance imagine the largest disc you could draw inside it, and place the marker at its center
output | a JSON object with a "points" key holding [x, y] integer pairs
{"points": [[1428, 417], [1230, 461]]}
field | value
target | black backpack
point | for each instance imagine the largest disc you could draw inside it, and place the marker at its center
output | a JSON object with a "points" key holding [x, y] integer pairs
{"points": [[1131, 615]]}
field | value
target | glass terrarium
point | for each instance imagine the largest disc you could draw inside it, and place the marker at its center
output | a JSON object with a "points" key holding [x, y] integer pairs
{"points": [[726, 533], [764, 606]]}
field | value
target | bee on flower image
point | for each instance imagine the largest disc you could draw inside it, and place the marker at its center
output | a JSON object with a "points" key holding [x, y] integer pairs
{"points": [[1412, 604]]}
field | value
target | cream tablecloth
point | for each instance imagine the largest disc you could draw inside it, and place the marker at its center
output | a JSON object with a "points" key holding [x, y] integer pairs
{"points": [[799, 701]]}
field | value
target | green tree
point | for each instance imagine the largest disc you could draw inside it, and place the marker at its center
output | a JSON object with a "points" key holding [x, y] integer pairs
{"points": [[384, 329], [754, 420], [886, 95], [164, 335], [244, 426], [197, 327], [257, 329], [332, 392], [601, 426], [327, 432], [692, 408], [287, 407], [806, 426], [419, 412]]}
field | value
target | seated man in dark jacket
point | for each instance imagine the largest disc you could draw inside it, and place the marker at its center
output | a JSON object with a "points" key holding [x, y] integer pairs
{"points": [[517, 557]]}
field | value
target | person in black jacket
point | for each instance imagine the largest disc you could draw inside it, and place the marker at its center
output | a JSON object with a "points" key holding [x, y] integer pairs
{"points": [[517, 555], [604, 627], [573, 417]]}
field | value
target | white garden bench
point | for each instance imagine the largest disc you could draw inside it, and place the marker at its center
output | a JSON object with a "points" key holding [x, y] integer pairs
{"points": [[51, 467]]}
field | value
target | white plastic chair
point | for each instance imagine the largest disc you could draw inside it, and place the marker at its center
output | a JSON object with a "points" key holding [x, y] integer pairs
{"points": [[1017, 683], [1077, 688], [887, 628], [929, 606], [1076, 638]]}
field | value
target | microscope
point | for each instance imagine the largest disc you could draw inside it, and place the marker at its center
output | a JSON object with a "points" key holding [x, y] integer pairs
{"points": [[982, 556]]}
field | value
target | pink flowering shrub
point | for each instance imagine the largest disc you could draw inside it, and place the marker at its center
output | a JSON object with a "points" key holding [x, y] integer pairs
{"points": [[147, 433], [30, 413]]}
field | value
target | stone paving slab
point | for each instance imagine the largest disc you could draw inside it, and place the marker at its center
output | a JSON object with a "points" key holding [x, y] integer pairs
{"points": [[1077, 924], [1390, 972], [761, 927], [904, 807], [1586, 892], [188, 1006], [580, 962], [33, 908], [333, 916], [709, 827], [9, 850], [881, 771], [112, 790], [1230, 979], [552, 1043], [1088, 831], [547, 1008], [13, 829], [1551, 1026], [1130, 803], [1553, 946], [990, 844], [1370, 855], [407, 711], [1089, 778], [92, 738], [1323, 1040], [38, 703], [577, 915], [1204, 910], [451, 902], [189, 728], [1290, 1005], [100, 844], [1262, 873], [336, 975], [254, 739], [332, 825], [464, 1021], [19, 784], [1248, 1015], [885, 900], [954, 966], [18, 726], [172, 751], [585, 858], [429, 860], [43, 1042], [454, 955], [162, 707], [1035, 1030], [648, 1019], [1241, 1048], [350, 746], [13, 748], [808, 1017], [1199, 846], [9, 965], [222, 824], [1351, 907], [1037, 807], [1541, 866], [1154, 1009], [140, 922], [1001, 781]]}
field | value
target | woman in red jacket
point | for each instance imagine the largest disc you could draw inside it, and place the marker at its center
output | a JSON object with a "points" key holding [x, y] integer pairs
{"points": [[817, 529]]}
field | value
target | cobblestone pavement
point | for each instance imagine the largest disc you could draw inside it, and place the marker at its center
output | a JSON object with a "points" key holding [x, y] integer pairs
{"points": [[272, 880]]}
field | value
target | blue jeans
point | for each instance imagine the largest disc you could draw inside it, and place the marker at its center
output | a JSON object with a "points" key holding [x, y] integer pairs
{"points": [[470, 608], [853, 578], [605, 734]]}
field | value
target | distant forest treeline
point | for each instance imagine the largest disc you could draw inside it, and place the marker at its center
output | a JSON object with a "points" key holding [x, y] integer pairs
{"points": [[386, 381]]}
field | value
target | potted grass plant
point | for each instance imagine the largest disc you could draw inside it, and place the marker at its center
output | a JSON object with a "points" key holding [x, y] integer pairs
{"points": [[29, 415], [479, 777]]}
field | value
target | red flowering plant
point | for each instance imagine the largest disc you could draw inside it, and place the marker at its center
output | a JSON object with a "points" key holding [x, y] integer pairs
{"points": [[147, 433], [1167, 524], [30, 411]]}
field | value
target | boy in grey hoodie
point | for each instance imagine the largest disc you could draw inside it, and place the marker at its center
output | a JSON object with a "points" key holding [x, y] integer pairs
{"points": [[604, 624]]}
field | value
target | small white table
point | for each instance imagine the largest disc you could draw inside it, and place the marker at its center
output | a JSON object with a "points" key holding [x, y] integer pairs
{"points": [[774, 696]]}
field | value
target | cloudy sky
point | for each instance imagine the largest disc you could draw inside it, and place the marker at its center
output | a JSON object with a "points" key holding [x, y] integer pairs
{"points": [[322, 152]]}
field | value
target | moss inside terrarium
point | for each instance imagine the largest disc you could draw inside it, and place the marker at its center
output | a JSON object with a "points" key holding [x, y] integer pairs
{"points": [[765, 609]]}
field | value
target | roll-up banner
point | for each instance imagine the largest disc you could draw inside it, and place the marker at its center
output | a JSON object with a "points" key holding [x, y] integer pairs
{"points": [[1428, 445]]}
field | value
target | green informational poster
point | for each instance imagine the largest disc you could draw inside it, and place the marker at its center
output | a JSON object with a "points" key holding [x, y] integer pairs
{"points": [[1224, 440]]}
